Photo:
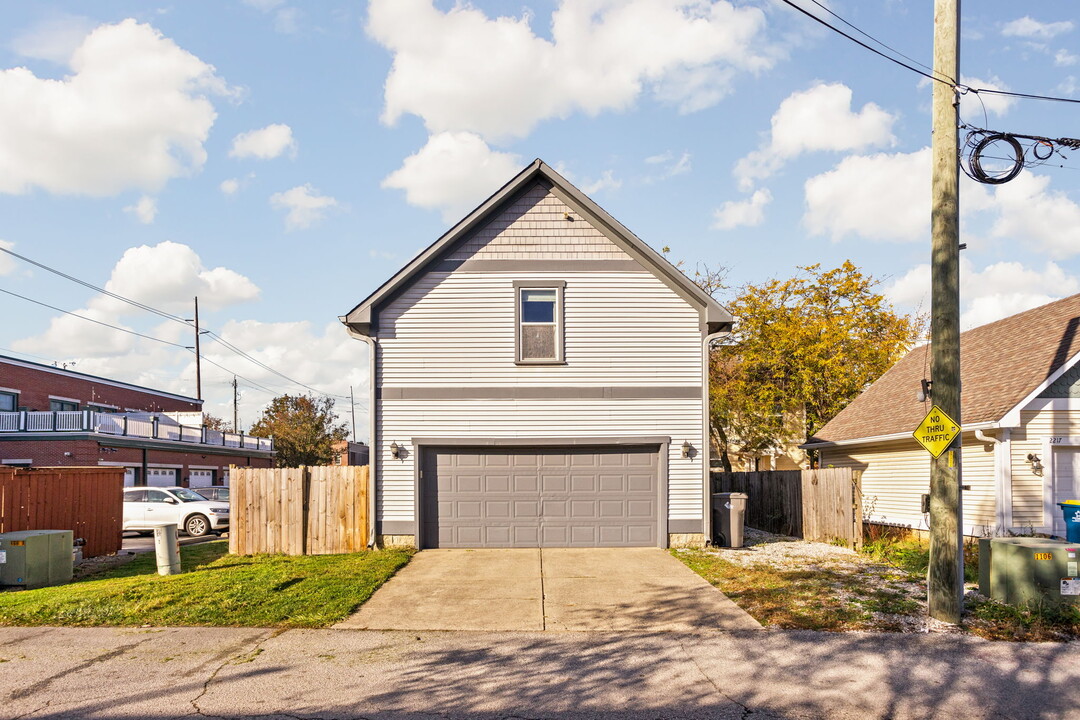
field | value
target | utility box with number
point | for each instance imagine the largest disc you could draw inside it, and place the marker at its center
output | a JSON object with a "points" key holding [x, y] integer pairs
{"points": [[35, 558], [1029, 570]]}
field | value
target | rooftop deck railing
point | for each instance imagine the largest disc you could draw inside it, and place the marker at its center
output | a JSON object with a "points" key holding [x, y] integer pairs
{"points": [[127, 426]]}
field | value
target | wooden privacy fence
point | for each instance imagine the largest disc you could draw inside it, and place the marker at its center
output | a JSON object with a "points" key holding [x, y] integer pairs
{"points": [[820, 505], [317, 510], [88, 501]]}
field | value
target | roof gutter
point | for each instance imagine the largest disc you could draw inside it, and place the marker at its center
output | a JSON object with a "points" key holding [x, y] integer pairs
{"points": [[373, 446], [977, 427]]}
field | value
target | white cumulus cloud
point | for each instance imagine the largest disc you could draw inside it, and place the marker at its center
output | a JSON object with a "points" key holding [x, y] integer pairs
{"points": [[974, 105], [1028, 27], [740, 213], [1064, 58], [133, 114], [461, 70], [145, 210], [453, 172], [885, 196], [230, 186], [813, 120], [264, 144], [304, 204], [995, 292], [1031, 214]]}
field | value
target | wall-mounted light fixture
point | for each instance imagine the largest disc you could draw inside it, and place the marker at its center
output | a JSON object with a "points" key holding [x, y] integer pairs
{"points": [[686, 449], [925, 391], [1036, 463], [395, 451]]}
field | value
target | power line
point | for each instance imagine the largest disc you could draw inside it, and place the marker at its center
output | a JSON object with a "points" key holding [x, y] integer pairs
{"points": [[217, 338], [163, 314], [835, 29], [97, 322], [871, 37], [954, 83], [103, 291]]}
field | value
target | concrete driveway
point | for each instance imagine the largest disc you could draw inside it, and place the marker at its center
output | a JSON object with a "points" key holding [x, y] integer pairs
{"points": [[556, 589]]}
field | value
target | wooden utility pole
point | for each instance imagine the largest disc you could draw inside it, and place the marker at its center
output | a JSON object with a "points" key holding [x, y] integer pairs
{"points": [[352, 406], [198, 354], [235, 407], [945, 581]]}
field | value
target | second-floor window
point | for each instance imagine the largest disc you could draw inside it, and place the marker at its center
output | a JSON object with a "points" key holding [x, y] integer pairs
{"points": [[62, 405], [9, 402], [539, 315]]}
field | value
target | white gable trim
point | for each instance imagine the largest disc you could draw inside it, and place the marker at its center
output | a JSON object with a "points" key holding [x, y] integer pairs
{"points": [[1012, 418]]}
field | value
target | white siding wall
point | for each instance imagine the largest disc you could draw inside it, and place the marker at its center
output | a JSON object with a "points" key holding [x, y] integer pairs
{"points": [[458, 329], [896, 474], [622, 329], [1029, 489]]}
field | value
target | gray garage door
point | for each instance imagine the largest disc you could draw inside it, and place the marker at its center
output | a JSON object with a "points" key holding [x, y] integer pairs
{"points": [[540, 497]]}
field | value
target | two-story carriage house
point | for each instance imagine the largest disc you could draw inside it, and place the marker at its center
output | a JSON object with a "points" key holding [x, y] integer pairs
{"points": [[539, 379]]}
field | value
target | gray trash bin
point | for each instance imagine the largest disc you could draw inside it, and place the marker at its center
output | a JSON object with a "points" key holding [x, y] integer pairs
{"points": [[728, 511]]}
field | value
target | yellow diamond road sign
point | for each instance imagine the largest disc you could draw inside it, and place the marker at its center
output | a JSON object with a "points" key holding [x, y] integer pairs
{"points": [[936, 431]]}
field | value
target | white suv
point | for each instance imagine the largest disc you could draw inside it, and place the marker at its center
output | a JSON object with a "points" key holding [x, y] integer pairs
{"points": [[148, 507]]}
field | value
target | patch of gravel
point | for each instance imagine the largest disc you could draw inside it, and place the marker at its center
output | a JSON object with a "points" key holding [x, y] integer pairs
{"points": [[787, 553]]}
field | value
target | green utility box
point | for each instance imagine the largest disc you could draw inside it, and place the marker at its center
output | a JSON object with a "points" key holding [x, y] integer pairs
{"points": [[35, 558], [1025, 569]]}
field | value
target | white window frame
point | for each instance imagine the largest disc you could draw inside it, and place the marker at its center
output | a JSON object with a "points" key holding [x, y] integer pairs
{"points": [[559, 287]]}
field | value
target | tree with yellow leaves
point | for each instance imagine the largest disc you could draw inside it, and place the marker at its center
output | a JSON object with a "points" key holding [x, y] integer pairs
{"points": [[802, 349]]}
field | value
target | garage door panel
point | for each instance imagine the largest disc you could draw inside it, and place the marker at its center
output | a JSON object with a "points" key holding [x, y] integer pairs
{"points": [[497, 483], [612, 509], [555, 509], [551, 497], [526, 484], [558, 484]]}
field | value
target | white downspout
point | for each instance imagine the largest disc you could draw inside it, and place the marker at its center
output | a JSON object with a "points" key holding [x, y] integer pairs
{"points": [[373, 446], [706, 343]]}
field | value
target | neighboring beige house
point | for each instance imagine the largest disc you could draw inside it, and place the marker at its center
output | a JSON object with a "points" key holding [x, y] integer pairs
{"points": [[1021, 420], [539, 381]]}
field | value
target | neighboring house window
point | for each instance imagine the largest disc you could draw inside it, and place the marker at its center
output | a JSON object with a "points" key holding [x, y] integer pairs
{"points": [[9, 402], [101, 408], [539, 322], [62, 405]]}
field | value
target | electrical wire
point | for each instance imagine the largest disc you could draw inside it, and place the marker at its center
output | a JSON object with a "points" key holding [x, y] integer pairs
{"points": [[96, 322], [161, 313], [871, 37], [959, 87], [891, 59], [217, 338], [103, 291]]}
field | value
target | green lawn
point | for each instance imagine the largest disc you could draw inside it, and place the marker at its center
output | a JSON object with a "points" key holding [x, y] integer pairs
{"points": [[215, 589]]}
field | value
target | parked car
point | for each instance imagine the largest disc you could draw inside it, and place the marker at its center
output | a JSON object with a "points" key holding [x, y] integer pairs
{"points": [[217, 492], [148, 507]]}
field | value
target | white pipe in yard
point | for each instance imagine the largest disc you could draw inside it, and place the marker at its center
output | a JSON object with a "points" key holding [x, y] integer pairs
{"points": [[167, 549]]}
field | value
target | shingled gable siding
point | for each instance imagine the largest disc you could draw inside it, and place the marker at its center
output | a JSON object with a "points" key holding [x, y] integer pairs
{"points": [[896, 474], [455, 329]]}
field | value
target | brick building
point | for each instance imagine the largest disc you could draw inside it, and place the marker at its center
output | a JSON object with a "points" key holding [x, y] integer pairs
{"points": [[52, 416]]}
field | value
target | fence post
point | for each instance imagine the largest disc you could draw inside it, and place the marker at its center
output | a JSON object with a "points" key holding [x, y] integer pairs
{"points": [[856, 507], [305, 485]]}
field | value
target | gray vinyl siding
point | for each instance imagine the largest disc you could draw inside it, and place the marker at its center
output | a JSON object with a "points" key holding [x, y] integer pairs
{"points": [[455, 329], [620, 329]]}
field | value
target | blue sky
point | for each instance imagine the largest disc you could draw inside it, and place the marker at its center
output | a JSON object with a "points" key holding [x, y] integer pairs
{"points": [[282, 159]]}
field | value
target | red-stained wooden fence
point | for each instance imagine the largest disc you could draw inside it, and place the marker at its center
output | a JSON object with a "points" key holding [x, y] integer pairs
{"points": [[86, 500]]}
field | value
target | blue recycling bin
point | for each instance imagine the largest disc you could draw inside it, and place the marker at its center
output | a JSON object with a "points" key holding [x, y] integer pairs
{"points": [[1070, 509]]}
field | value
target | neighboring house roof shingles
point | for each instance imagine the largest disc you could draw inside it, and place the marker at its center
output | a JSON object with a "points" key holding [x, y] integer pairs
{"points": [[1001, 364]]}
